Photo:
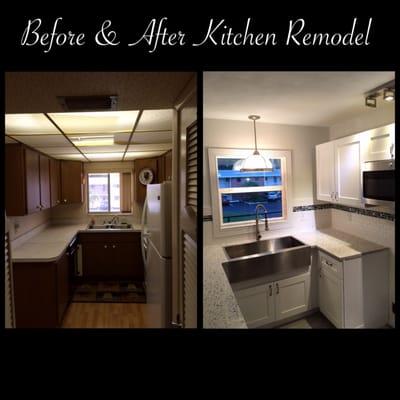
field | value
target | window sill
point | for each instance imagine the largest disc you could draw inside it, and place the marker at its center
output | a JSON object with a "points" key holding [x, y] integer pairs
{"points": [[109, 214]]}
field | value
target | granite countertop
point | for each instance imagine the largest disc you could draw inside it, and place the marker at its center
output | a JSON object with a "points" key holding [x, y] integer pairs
{"points": [[50, 243], [220, 307]]}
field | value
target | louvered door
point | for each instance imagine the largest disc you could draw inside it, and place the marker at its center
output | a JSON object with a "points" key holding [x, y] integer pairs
{"points": [[189, 282], [191, 168], [9, 309]]}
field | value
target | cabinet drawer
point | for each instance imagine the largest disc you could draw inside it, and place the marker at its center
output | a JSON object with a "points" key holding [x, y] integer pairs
{"points": [[331, 265], [112, 237]]}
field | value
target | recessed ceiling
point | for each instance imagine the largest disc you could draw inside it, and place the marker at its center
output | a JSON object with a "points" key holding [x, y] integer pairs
{"points": [[309, 98]]}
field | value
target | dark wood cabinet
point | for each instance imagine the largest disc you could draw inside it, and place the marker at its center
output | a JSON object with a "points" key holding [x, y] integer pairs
{"points": [[44, 168], [112, 256], [55, 180], [71, 182], [32, 173], [41, 293]]}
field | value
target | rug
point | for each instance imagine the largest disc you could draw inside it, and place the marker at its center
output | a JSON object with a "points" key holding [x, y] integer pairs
{"points": [[110, 292]]}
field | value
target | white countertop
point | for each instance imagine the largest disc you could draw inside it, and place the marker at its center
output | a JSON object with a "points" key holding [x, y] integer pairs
{"points": [[220, 307], [49, 244]]}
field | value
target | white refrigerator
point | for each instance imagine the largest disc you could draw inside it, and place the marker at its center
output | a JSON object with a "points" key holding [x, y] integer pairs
{"points": [[156, 250]]}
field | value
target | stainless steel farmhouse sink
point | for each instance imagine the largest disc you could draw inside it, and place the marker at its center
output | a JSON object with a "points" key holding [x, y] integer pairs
{"points": [[268, 259], [111, 226]]}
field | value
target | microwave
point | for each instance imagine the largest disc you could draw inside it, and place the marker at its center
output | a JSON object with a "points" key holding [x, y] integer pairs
{"points": [[378, 180]]}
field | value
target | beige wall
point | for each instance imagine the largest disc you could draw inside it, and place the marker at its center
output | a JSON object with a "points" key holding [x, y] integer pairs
{"points": [[78, 212], [374, 118], [18, 226], [301, 140]]}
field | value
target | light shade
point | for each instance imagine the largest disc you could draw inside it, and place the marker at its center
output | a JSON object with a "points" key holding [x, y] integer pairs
{"points": [[256, 162], [388, 95]]}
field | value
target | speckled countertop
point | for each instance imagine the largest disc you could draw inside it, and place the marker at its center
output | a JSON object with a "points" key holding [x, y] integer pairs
{"points": [[49, 244], [220, 308]]}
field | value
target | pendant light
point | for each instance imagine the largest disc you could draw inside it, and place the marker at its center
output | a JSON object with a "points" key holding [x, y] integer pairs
{"points": [[255, 162]]}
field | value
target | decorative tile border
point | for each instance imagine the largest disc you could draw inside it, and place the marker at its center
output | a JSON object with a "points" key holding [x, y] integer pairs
{"points": [[355, 210]]}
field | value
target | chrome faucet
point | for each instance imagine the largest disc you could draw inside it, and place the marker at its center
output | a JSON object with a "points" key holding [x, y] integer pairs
{"points": [[259, 205], [114, 219]]}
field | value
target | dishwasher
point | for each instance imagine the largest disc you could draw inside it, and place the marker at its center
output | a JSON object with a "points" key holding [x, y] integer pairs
{"points": [[74, 253]]}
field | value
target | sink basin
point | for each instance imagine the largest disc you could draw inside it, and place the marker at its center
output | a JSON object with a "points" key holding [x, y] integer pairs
{"points": [[262, 246], [271, 259], [111, 226]]}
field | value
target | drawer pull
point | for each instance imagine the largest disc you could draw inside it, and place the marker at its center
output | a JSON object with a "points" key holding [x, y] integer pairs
{"points": [[105, 246], [113, 246]]}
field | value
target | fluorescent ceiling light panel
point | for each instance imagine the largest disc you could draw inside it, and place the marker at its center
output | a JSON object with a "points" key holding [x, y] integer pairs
{"points": [[95, 122], [155, 120], [58, 150], [29, 124], [78, 157], [152, 137], [44, 141], [150, 147], [92, 141], [130, 155], [104, 156], [103, 149]]}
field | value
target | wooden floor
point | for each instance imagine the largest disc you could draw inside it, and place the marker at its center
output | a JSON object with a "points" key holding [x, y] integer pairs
{"points": [[106, 315]]}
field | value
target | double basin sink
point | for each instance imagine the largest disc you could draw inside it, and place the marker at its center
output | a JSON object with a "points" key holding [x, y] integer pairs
{"points": [[111, 226], [268, 259]]}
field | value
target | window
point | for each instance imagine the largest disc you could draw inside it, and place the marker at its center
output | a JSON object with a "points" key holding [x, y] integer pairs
{"points": [[235, 194], [109, 192]]}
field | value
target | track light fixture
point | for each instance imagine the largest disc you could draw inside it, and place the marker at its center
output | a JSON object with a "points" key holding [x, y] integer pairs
{"points": [[387, 91]]}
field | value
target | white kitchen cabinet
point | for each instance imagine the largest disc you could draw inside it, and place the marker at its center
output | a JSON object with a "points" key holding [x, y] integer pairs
{"points": [[338, 171], [378, 144], [348, 170], [354, 293], [325, 161], [257, 304], [267, 303]]}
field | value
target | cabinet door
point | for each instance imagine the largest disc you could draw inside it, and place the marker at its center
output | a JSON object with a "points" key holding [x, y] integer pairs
{"points": [[32, 175], [325, 171], [63, 289], [330, 296], [96, 260], [379, 143], [347, 170], [257, 304], [44, 163], [292, 296], [55, 191], [127, 261], [71, 182]]}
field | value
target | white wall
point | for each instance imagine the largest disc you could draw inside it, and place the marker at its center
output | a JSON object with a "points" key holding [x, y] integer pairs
{"points": [[301, 140], [18, 226], [374, 118]]}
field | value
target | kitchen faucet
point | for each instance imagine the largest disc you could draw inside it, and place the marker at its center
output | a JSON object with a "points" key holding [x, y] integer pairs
{"points": [[114, 219], [259, 205]]}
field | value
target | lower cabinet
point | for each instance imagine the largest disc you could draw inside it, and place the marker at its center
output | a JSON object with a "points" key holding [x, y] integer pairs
{"points": [[41, 293], [112, 256], [274, 301], [354, 293]]}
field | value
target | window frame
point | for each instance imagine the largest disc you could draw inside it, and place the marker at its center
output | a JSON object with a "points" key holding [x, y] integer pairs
{"points": [[108, 172], [222, 228]]}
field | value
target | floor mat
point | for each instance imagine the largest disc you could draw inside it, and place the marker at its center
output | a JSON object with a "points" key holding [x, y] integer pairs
{"points": [[110, 292]]}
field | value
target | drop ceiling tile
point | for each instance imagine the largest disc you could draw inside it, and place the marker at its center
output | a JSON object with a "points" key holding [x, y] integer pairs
{"points": [[29, 124], [152, 137], [131, 155], [155, 120], [95, 122], [77, 157], [44, 140], [121, 138], [59, 150], [150, 147], [103, 149]]}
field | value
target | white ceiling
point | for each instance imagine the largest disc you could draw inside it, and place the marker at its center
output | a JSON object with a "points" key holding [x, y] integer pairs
{"points": [[309, 98]]}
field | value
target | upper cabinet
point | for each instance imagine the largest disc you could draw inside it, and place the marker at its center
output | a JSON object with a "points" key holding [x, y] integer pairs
{"points": [[55, 182], [339, 163], [378, 144], [44, 166], [338, 171], [71, 182]]}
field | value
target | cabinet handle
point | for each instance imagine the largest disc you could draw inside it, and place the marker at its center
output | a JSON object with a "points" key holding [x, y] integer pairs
{"points": [[391, 150], [277, 288], [65, 200], [113, 246], [270, 290], [105, 246]]}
